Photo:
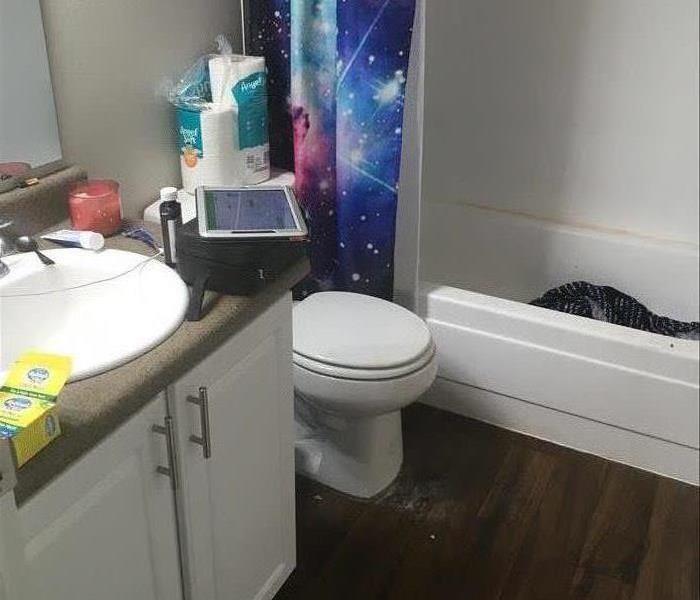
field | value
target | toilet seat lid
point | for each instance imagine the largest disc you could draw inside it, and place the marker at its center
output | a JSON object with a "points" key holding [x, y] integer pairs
{"points": [[358, 331]]}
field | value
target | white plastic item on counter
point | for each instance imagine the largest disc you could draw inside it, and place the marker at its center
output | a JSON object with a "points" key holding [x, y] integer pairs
{"points": [[90, 240], [168, 194]]}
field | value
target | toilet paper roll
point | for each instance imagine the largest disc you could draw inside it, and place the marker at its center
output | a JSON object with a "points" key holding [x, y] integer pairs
{"points": [[210, 152], [220, 69], [226, 70], [240, 83]]}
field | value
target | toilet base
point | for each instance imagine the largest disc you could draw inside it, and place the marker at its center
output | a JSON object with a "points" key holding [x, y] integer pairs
{"points": [[356, 456]]}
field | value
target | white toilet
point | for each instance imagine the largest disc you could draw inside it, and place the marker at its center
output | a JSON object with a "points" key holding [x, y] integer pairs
{"points": [[357, 361]]}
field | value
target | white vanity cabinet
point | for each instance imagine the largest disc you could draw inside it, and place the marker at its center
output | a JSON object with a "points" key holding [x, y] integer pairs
{"points": [[191, 498], [234, 416], [106, 529]]}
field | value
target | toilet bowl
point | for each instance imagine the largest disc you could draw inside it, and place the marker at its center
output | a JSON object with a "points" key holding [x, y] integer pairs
{"points": [[357, 361]]}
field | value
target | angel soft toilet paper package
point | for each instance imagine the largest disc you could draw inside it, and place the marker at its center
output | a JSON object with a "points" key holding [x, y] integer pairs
{"points": [[239, 83], [222, 122]]}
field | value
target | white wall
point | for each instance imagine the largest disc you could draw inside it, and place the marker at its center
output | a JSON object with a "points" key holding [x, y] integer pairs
{"points": [[580, 111], [28, 130], [108, 60]]}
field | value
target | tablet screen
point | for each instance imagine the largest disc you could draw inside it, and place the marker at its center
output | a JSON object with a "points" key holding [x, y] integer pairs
{"points": [[248, 210]]}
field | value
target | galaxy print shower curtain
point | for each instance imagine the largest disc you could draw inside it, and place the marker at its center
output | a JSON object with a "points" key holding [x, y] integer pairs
{"points": [[337, 74]]}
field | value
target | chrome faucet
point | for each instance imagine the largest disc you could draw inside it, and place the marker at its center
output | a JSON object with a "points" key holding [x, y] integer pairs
{"points": [[4, 250], [12, 244]]}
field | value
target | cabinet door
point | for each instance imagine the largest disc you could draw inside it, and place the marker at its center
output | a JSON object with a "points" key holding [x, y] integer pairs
{"points": [[106, 529], [238, 504]]}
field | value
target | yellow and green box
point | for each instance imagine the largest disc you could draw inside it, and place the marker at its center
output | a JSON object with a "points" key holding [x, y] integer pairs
{"points": [[28, 411]]}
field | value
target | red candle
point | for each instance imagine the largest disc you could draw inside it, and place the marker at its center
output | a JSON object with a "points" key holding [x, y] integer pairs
{"points": [[95, 205]]}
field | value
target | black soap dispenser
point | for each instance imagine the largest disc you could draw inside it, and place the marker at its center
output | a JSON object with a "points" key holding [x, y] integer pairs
{"points": [[170, 222]]}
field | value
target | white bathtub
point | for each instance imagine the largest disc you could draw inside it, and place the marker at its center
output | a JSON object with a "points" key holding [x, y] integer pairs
{"points": [[619, 393]]}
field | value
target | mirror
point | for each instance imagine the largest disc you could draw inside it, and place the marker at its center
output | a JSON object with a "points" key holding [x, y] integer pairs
{"points": [[29, 142]]}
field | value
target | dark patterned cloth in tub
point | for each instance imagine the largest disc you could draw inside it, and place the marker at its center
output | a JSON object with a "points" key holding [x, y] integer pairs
{"points": [[605, 303]]}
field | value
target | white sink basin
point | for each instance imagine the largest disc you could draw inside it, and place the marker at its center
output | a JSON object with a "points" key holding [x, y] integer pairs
{"points": [[101, 308]]}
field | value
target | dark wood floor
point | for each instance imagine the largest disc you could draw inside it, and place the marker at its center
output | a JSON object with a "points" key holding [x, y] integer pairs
{"points": [[481, 513]]}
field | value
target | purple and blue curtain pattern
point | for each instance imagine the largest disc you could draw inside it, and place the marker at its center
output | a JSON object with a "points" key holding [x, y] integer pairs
{"points": [[337, 73]]}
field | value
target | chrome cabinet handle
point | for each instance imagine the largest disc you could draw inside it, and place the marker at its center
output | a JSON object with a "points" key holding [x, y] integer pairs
{"points": [[205, 439], [169, 433]]}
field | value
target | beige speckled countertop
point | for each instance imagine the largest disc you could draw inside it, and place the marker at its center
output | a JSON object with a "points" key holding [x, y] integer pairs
{"points": [[91, 409]]}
